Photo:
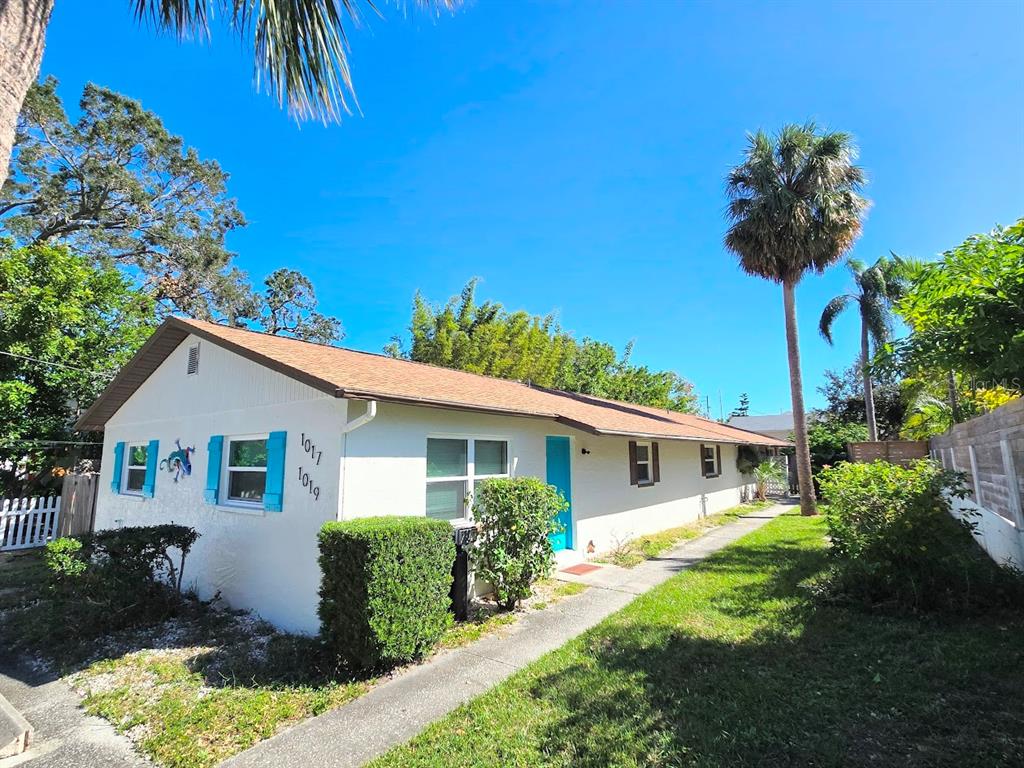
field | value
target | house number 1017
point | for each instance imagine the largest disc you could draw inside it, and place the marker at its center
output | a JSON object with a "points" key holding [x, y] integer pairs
{"points": [[310, 448]]}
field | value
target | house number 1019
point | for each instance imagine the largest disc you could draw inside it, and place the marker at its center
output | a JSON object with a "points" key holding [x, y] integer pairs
{"points": [[308, 484]]}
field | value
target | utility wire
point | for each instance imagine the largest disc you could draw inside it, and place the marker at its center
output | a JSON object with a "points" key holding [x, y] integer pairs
{"points": [[97, 374], [46, 442]]}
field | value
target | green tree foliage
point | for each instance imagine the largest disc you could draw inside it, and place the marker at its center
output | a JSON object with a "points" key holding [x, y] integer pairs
{"points": [[288, 307], [117, 187], [966, 311], [78, 321], [743, 409], [488, 339], [116, 184], [828, 438], [844, 394]]}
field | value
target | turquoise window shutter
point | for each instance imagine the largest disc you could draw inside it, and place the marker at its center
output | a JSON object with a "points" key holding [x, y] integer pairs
{"points": [[274, 493], [152, 459], [115, 480], [215, 449]]}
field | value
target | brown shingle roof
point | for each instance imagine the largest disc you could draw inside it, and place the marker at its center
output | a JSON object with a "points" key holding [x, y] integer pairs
{"points": [[362, 375]]}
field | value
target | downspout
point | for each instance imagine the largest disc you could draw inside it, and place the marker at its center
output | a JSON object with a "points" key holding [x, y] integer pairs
{"points": [[351, 426]]}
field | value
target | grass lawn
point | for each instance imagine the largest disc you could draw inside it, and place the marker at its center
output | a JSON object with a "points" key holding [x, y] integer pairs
{"points": [[634, 551], [732, 663]]}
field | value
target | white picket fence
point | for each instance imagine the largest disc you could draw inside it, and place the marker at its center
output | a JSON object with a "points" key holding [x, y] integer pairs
{"points": [[29, 522]]}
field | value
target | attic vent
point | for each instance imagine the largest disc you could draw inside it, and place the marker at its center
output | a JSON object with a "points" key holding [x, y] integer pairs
{"points": [[193, 360]]}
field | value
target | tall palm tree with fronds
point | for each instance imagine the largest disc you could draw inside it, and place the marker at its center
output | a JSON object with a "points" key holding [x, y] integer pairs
{"points": [[795, 207], [299, 48], [877, 287]]}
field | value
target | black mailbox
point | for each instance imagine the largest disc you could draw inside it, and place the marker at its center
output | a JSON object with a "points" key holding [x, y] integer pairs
{"points": [[462, 583]]}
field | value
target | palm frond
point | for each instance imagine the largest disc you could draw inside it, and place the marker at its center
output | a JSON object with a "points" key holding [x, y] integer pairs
{"points": [[300, 47], [828, 315]]}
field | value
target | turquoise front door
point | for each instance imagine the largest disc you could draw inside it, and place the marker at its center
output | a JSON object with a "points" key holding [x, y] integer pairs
{"points": [[560, 475]]}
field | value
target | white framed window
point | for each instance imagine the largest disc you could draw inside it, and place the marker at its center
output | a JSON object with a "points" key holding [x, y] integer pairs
{"points": [[455, 465], [710, 460], [135, 468], [245, 470], [644, 464]]}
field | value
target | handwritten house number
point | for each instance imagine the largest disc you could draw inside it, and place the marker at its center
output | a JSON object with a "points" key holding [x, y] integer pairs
{"points": [[315, 455]]}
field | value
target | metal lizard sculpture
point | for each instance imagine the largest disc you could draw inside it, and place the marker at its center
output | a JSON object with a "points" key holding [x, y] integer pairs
{"points": [[179, 461]]}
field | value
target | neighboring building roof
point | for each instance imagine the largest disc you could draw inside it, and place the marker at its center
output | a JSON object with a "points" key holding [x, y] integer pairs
{"points": [[366, 376], [774, 422]]}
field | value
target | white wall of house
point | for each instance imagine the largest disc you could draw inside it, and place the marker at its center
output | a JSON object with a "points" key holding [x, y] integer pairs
{"points": [[385, 472], [266, 561]]}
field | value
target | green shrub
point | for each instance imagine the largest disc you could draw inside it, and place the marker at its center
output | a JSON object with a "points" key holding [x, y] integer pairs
{"points": [[384, 594], [113, 579], [894, 539], [515, 516]]}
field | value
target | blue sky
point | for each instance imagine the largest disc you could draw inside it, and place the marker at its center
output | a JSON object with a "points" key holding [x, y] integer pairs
{"points": [[572, 155]]}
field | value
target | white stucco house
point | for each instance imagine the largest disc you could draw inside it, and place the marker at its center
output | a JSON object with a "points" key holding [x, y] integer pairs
{"points": [[257, 440]]}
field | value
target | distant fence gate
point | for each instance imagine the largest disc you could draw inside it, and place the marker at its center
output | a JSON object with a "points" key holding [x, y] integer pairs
{"points": [[78, 500], [989, 450], [896, 451], [28, 522]]}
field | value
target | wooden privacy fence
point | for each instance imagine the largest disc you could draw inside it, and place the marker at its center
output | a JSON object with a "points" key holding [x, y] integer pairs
{"points": [[989, 450], [28, 522], [78, 499], [896, 451]]}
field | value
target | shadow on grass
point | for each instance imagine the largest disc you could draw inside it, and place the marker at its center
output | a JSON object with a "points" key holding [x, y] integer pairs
{"points": [[229, 649], [811, 685]]}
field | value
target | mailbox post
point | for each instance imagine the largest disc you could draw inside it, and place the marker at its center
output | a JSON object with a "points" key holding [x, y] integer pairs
{"points": [[462, 578]]}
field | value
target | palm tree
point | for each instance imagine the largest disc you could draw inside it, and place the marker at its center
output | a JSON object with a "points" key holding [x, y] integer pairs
{"points": [[794, 207], [299, 48], [878, 286]]}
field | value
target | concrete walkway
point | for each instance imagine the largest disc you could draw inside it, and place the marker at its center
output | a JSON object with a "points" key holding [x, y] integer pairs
{"points": [[65, 736], [399, 708]]}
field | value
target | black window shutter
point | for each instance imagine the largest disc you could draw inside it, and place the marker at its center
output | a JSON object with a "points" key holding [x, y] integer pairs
{"points": [[633, 479], [718, 460], [703, 466], [655, 464]]}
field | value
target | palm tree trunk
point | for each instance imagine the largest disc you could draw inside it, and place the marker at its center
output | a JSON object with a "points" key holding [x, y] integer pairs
{"points": [[22, 36], [796, 387], [954, 402], [869, 388]]}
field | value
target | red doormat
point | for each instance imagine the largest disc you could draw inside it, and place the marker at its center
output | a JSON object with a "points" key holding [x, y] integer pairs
{"points": [[582, 568]]}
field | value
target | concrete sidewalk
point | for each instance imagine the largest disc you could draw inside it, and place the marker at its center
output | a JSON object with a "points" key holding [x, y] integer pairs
{"points": [[399, 708], [65, 736]]}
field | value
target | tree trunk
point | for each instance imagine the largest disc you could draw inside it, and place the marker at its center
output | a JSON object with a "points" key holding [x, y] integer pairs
{"points": [[808, 506], [954, 402], [869, 388], [22, 36]]}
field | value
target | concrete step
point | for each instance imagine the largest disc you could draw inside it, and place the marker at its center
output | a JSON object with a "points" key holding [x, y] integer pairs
{"points": [[15, 731]]}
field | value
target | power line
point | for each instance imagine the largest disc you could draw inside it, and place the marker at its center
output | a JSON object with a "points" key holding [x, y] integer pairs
{"points": [[47, 442], [58, 365]]}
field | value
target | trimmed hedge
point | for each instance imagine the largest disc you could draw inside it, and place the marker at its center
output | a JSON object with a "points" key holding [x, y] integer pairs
{"points": [[384, 594]]}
